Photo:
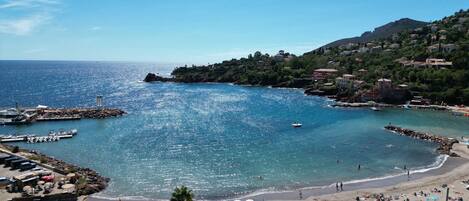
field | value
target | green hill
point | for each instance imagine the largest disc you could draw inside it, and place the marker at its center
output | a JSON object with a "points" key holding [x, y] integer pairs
{"points": [[400, 57]]}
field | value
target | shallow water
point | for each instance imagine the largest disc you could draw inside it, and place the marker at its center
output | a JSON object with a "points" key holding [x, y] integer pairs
{"points": [[215, 138]]}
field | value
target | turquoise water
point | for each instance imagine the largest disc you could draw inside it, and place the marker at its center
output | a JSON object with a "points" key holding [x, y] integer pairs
{"points": [[215, 138]]}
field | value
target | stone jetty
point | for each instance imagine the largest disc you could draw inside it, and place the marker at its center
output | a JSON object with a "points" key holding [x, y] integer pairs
{"points": [[89, 113], [445, 143]]}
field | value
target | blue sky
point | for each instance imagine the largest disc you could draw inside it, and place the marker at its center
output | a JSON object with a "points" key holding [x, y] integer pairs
{"points": [[190, 31]]}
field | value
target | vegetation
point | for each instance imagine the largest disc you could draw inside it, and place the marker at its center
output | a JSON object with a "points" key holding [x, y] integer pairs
{"points": [[39, 158], [182, 194], [16, 149], [379, 57], [381, 32]]}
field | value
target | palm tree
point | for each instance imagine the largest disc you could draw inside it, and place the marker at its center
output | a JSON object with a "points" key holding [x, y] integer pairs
{"points": [[182, 194]]}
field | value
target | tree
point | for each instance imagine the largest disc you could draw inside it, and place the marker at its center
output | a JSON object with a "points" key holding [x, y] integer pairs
{"points": [[182, 194]]}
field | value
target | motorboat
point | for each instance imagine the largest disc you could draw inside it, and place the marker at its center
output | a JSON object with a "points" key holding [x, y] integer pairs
{"points": [[296, 125]]}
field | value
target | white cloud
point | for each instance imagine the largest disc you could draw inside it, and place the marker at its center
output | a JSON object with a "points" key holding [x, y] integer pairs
{"points": [[22, 17], [26, 3], [22, 26]]}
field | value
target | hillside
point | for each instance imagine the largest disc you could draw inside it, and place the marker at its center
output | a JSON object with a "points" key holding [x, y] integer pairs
{"points": [[430, 61], [381, 32]]}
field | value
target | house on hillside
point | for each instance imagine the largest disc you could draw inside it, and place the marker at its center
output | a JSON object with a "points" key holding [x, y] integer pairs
{"points": [[348, 82], [324, 73], [428, 63], [438, 63], [394, 46], [390, 94]]}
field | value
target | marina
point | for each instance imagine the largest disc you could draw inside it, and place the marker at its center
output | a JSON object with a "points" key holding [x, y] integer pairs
{"points": [[33, 138]]}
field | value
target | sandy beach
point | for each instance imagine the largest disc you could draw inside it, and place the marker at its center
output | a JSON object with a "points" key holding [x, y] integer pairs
{"points": [[452, 173], [406, 190]]}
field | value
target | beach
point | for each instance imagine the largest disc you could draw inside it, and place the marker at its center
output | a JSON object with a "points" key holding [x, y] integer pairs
{"points": [[453, 178], [452, 172]]}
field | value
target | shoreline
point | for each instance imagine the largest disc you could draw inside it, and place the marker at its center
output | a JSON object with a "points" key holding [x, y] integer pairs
{"points": [[462, 111], [443, 163], [447, 175]]}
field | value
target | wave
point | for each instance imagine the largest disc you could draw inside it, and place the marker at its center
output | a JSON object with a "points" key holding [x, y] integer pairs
{"points": [[438, 163], [134, 198]]}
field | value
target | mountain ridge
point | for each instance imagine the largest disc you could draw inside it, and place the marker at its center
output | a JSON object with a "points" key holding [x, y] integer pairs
{"points": [[380, 32]]}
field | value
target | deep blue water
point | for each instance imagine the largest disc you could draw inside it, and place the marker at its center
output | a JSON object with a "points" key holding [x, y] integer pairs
{"points": [[215, 138]]}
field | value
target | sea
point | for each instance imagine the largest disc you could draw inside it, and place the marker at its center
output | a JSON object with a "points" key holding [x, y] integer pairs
{"points": [[221, 140]]}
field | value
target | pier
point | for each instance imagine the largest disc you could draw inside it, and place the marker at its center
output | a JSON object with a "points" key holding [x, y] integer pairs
{"points": [[33, 138], [445, 143]]}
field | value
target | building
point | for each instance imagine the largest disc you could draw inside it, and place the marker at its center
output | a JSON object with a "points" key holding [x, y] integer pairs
{"points": [[394, 46], [448, 47], [324, 73], [428, 63], [363, 49], [348, 46], [384, 84], [279, 56], [362, 73], [438, 63]]}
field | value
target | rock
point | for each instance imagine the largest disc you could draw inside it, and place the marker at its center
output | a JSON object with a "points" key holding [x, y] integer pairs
{"points": [[151, 77], [445, 144], [453, 154]]}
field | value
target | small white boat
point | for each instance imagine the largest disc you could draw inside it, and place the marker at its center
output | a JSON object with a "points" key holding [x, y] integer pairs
{"points": [[375, 109], [296, 125]]}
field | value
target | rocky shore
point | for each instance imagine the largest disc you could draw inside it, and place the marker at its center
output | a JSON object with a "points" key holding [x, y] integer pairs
{"points": [[89, 113], [88, 181], [445, 143], [151, 77]]}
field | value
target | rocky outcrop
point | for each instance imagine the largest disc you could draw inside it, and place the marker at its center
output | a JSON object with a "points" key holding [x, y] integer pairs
{"points": [[445, 143], [151, 77]]}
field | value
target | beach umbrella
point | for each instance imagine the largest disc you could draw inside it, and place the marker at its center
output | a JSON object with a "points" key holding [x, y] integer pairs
{"points": [[28, 190], [68, 187], [48, 185]]}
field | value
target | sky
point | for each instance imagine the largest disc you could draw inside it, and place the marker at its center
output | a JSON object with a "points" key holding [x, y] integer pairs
{"points": [[193, 31]]}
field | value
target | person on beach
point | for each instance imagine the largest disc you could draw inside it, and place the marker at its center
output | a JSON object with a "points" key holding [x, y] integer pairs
{"points": [[301, 195], [405, 167], [408, 174], [359, 167], [341, 186], [337, 186]]}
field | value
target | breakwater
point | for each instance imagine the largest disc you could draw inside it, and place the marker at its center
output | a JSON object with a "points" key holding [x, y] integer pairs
{"points": [[88, 182], [77, 113], [445, 143]]}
